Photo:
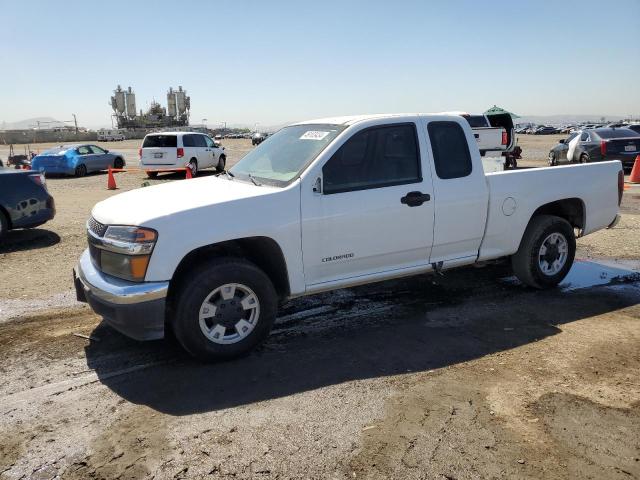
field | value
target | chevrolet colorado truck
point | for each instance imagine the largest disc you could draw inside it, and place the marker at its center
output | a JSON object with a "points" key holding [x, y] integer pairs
{"points": [[322, 205]]}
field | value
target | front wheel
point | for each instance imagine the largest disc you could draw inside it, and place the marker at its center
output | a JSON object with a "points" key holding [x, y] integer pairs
{"points": [[553, 161], [118, 163], [224, 309], [584, 158], [546, 252]]}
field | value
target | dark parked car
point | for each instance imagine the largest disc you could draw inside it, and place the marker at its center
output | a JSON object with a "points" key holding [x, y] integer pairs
{"points": [[76, 160], [24, 200], [546, 131], [599, 144], [257, 138]]}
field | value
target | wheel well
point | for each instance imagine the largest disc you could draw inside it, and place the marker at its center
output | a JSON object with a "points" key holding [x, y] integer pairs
{"points": [[264, 252], [4, 212], [571, 209]]}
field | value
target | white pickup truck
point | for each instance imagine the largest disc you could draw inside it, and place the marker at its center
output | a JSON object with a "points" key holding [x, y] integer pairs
{"points": [[322, 205]]}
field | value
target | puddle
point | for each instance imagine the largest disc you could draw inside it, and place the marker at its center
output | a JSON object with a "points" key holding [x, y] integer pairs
{"points": [[586, 273]]}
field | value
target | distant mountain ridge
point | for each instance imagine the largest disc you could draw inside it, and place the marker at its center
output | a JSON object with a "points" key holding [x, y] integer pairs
{"points": [[45, 122], [571, 119]]}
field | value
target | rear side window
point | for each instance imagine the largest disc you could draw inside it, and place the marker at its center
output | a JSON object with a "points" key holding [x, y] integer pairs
{"points": [[160, 141], [476, 121], [84, 150], [373, 158], [450, 150], [188, 141]]}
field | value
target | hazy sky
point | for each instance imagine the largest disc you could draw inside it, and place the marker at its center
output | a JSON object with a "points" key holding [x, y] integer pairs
{"points": [[278, 61]]}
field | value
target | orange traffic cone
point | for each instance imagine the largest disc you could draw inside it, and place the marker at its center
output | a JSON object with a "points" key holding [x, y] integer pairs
{"points": [[111, 181], [188, 173], [635, 172]]}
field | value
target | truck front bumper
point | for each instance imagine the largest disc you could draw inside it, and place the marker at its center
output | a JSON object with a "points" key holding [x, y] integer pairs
{"points": [[136, 310]]}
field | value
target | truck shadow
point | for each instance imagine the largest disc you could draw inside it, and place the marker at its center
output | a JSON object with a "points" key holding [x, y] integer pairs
{"points": [[391, 328], [28, 239]]}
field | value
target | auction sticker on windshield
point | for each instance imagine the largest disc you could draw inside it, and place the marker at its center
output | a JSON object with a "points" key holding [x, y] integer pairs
{"points": [[313, 135]]}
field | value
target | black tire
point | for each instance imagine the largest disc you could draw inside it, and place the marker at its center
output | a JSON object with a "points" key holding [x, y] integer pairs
{"points": [[526, 262], [553, 159], [152, 174], [4, 224], [81, 170], [204, 280], [584, 158], [118, 163], [222, 162], [193, 166]]}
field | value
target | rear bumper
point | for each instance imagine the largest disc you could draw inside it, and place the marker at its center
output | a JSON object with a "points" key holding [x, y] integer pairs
{"points": [[136, 310], [60, 170]]}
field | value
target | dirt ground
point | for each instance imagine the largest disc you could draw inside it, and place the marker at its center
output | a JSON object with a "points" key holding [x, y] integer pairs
{"points": [[464, 376]]}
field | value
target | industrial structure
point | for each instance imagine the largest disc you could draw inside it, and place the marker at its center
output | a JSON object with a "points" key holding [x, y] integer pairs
{"points": [[123, 103]]}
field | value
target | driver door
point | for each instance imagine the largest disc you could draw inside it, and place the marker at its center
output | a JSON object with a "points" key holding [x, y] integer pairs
{"points": [[375, 211]]}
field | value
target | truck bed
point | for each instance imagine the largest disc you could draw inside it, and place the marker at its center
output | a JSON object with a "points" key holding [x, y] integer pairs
{"points": [[515, 194]]}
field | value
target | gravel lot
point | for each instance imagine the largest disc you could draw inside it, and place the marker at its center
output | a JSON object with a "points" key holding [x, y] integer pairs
{"points": [[464, 376]]}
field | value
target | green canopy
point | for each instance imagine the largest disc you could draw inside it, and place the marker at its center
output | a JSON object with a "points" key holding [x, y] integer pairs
{"points": [[495, 110]]}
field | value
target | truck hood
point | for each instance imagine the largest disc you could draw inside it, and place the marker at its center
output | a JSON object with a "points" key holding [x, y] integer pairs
{"points": [[144, 205]]}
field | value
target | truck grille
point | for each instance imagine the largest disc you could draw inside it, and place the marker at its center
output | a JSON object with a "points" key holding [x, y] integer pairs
{"points": [[96, 227]]}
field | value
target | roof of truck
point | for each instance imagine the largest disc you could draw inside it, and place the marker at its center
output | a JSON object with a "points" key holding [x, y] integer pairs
{"points": [[351, 119]]}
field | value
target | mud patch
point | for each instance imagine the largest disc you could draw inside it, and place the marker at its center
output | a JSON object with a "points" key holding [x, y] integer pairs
{"points": [[592, 435], [130, 448], [11, 449]]}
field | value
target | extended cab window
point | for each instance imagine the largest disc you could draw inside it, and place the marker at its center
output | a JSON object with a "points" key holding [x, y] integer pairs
{"points": [[450, 150], [373, 158]]}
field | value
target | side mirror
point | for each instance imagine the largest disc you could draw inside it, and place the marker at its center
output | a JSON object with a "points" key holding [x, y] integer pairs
{"points": [[561, 140], [317, 186], [106, 151]]}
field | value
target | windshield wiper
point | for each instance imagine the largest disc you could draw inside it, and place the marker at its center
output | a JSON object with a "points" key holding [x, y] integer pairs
{"points": [[255, 182]]}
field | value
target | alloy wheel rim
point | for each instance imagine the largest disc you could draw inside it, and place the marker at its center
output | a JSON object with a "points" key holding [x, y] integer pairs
{"points": [[553, 254], [229, 313]]}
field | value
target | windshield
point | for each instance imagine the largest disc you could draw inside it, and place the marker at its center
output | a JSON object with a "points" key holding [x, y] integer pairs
{"points": [[283, 155]]}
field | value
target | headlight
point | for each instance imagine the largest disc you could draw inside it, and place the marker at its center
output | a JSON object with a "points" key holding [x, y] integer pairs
{"points": [[124, 252]]}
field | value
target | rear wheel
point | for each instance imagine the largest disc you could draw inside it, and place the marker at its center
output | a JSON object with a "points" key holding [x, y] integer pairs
{"points": [[118, 163], [81, 170], [152, 174], [584, 158], [224, 309], [4, 224], [546, 252], [193, 166], [222, 162]]}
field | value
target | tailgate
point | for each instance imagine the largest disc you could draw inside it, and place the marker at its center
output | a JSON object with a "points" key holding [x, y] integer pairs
{"points": [[489, 138], [159, 156], [623, 145]]}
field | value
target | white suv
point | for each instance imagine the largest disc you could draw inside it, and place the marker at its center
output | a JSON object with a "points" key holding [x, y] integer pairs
{"points": [[167, 150]]}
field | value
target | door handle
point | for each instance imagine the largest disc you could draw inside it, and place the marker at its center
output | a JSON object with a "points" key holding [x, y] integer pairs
{"points": [[415, 199]]}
